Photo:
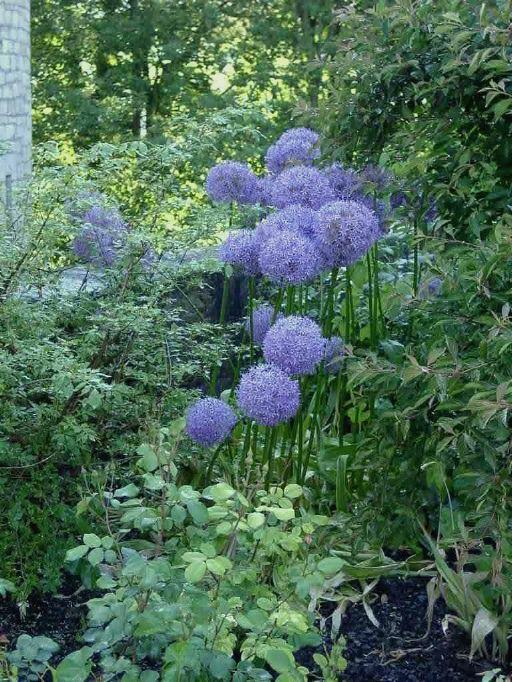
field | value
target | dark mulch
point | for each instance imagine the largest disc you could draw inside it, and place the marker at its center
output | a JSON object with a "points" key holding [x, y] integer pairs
{"points": [[398, 651], [62, 619]]}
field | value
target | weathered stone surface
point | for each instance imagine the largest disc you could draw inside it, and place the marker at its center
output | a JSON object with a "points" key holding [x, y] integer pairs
{"points": [[15, 93]]}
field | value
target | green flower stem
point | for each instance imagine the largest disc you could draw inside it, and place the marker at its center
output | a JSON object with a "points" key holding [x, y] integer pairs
{"points": [[315, 425], [328, 310], [222, 321], [278, 303], [290, 299], [371, 309], [272, 434], [251, 320], [379, 313], [211, 464]]}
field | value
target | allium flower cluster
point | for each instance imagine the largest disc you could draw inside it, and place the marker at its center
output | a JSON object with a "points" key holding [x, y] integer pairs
{"points": [[210, 421], [101, 236], [347, 229], [297, 146], [268, 395], [233, 181], [241, 249], [289, 258], [333, 354], [302, 185], [294, 344], [262, 320], [344, 181], [376, 175]]}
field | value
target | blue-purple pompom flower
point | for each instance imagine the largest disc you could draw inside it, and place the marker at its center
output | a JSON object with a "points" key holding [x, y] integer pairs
{"points": [[347, 229], [267, 395], [241, 250], [294, 344], [296, 218], [262, 320], [210, 421], [302, 185], [377, 176], [289, 258], [233, 181], [295, 146], [333, 354], [344, 181], [102, 235]]}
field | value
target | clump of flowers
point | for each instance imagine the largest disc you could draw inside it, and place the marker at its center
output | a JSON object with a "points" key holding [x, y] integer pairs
{"points": [[262, 320], [302, 185], [377, 176], [209, 421], [333, 354], [344, 181], [268, 395], [294, 344], [233, 181], [241, 249], [347, 229], [102, 235], [297, 146], [289, 258]]}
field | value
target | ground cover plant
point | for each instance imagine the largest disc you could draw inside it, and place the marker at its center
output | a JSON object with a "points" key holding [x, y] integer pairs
{"points": [[235, 397]]}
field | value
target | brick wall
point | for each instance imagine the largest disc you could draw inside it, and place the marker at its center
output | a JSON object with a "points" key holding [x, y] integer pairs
{"points": [[15, 99]]}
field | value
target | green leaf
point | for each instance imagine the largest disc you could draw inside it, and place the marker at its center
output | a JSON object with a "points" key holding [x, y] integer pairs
{"points": [[330, 565], [129, 490], [293, 490], [76, 667], [148, 460], [92, 540], [255, 520], [76, 553], [485, 622], [195, 571], [283, 514], [95, 557], [220, 492], [198, 512], [279, 660], [219, 565]]}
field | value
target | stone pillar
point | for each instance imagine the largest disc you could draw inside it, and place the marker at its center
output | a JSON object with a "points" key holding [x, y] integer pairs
{"points": [[15, 94]]}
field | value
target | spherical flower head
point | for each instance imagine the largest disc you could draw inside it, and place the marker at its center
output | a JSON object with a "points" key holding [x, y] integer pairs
{"points": [[344, 181], [96, 246], [265, 185], [294, 344], [298, 219], [333, 354], [297, 146], [268, 395], [377, 176], [375, 205], [209, 421], [107, 219], [241, 250], [398, 199], [232, 181], [302, 185], [262, 320], [347, 229], [289, 258]]}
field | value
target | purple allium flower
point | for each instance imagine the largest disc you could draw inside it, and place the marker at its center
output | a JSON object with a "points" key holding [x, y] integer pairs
{"points": [[232, 181], [398, 199], [289, 258], [210, 421], [333, 354], [347, 229], [376, 175], [265, 185], [241, 249], [268, 395], [431, 212], [295, 345], [262, 320], [96, 246], [344, 181], [297, 146], [434, 286], [302, 185], [298, 219], [99, 240]]}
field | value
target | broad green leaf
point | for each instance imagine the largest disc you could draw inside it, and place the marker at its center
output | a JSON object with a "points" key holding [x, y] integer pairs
{"points": [[330, 565], [195, 571]]}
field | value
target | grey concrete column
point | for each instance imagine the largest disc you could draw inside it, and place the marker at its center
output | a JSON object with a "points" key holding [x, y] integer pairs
{"points": [[15, 93]]}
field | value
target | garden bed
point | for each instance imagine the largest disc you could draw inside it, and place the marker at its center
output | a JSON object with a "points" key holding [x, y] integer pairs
{"points": [[399, 650]]}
